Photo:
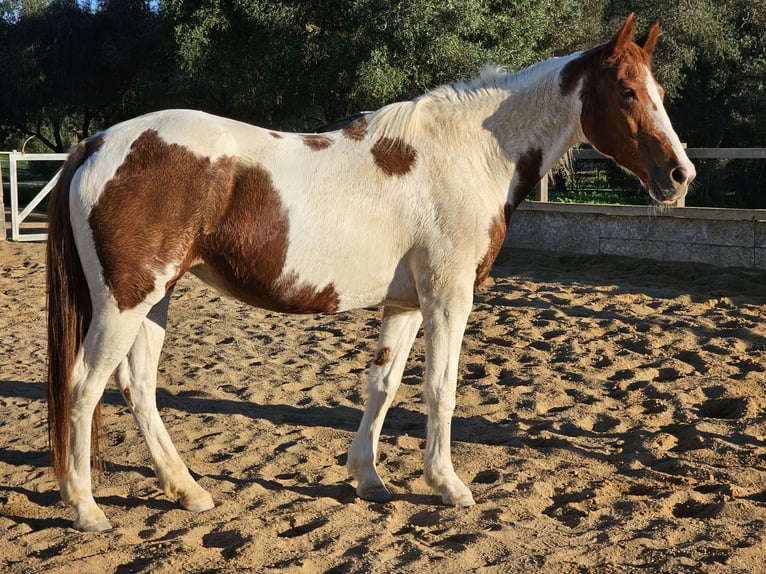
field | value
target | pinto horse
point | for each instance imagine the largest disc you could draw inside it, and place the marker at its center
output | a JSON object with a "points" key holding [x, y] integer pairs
{"points": [[405, 208]]}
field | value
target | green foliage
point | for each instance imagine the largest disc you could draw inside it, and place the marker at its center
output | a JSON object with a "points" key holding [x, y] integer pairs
{"points": [[597, 181], [64, 67], [420, 44], [294, 64]]}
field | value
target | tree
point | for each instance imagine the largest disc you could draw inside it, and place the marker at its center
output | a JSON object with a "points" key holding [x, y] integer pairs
{"points": [[420, 44], [235, 58], [296, 64], [72, 66], [64, 67]]}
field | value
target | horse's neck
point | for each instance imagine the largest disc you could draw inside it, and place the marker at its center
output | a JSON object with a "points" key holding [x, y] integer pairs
{"points": [[533, 125], [505, 131]]}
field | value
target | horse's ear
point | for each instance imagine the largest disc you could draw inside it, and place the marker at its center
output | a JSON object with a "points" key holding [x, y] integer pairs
{"points": [[649, 40], [619, 43]]}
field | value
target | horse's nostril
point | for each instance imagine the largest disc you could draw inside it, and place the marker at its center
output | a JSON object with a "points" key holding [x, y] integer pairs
{"points": [[679, 175]]}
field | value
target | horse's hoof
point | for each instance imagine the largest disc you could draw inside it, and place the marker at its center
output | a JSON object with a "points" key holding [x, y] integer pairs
{"points": [[461, 501], [378, 494], [199, 503], [464, 501], [97, 525]]}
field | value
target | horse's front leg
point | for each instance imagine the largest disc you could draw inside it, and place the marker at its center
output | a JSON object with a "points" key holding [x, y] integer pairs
{"points": [[397, 333], [446, 316]]}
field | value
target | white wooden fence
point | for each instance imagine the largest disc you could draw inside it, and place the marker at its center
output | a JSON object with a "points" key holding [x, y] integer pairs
{"points": [[18, 216]]}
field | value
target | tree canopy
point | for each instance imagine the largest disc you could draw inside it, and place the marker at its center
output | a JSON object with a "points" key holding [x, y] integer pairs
{"points": [[67, 70], [70, 67]]}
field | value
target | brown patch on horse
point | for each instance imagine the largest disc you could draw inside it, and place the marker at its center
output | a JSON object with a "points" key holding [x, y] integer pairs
{"points": [[527, 175], [574, 71], [497, 230], [69, 314], [245, 254], [316, 142], [128, 397], [168, 206], [383, 357], [528, 170], [356, 130], [276, 135], [507, 212], [151, 211], [394, 156]]}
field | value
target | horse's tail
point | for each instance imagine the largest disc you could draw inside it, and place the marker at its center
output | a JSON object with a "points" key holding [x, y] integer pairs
{"points": [[69, 314]]}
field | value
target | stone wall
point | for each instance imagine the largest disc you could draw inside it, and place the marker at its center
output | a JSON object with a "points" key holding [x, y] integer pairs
{"points": [[723, 237]]}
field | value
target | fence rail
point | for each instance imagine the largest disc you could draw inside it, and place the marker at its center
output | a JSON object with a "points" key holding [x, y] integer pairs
{"points": [[17, 217], [541, 194]]}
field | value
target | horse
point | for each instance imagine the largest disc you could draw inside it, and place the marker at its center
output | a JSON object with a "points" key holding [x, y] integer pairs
{"points": [[405, 208]]}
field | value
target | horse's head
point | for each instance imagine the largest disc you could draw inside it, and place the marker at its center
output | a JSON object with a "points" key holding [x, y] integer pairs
{"points": [[623, 116]]}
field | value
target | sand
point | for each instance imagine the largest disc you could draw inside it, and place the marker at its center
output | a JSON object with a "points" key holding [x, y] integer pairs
{"points": [[611, 418]]}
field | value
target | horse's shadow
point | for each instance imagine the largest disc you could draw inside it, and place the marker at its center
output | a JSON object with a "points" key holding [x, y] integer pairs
{"points": [[399, 422]]}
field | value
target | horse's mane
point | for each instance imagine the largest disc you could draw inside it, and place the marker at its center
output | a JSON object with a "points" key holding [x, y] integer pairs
{"points": [[406, 119]]}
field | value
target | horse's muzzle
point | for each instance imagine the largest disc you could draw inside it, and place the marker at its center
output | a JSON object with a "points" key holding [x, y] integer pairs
{"points": [[672, 185]]}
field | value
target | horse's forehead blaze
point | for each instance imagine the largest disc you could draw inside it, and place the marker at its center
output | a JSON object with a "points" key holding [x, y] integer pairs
{"points": [[654, 121], [167, 207], [393, 156]]}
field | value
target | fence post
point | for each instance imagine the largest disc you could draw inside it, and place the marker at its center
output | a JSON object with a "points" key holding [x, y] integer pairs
{"points": [[2, 205], [681, 202], [541, 191], [17, 216]]}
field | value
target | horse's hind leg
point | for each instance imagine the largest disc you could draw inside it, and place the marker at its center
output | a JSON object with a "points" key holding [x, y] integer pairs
{"points": [[108, 340], [137, 379], [397, 333]]}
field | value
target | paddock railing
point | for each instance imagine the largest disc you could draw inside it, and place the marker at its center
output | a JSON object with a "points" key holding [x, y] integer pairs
{"points": [[18, 214], [17, 217]]}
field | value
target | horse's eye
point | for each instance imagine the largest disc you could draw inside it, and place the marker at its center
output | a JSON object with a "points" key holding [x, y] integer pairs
{"points": [[629, 94]]}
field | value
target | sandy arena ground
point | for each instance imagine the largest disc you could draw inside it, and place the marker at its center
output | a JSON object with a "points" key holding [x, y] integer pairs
{"points": [[611, 419]]}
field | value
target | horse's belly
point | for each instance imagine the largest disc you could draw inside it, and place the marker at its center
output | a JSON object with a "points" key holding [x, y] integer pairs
{"points": [[290, 294], [286, 294]]}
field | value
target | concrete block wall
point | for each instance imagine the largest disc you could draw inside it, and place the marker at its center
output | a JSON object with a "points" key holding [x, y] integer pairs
{"points": [[722, 237], [760, 244]]}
